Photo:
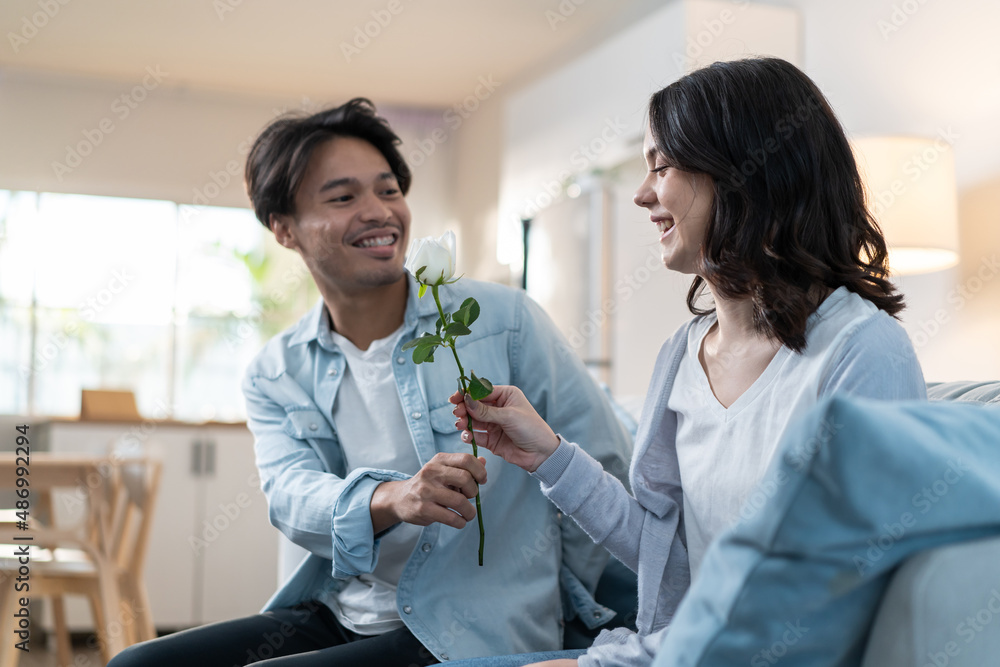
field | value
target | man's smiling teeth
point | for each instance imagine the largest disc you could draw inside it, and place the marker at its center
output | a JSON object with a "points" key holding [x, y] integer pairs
{"points": [[376, 241]]}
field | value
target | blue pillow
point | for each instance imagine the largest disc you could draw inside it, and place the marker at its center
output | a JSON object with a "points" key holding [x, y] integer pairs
{"points": [[856, 488]]}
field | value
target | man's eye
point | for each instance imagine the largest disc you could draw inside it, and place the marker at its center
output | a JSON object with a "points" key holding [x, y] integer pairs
{"points": [[341, 199]]}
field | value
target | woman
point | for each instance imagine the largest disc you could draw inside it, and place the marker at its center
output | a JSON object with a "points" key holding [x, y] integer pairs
{"points": [[753, 189]]}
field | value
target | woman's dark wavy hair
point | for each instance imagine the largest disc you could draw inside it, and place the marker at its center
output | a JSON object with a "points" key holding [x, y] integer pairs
{"points": [[279, 157], [789, 215]]}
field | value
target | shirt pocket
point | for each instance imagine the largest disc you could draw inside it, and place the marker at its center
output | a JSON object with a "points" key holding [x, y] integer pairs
{"points": [[307, 425], [311, 426]]}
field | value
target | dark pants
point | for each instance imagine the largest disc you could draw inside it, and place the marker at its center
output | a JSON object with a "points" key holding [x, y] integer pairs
{"points": [[306, 635]]}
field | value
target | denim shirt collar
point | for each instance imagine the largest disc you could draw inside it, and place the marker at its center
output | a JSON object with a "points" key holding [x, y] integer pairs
{"points": [[316, 325]]}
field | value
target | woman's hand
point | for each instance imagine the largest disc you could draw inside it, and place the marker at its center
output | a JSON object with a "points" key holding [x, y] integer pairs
{"points": [[507, 425]]}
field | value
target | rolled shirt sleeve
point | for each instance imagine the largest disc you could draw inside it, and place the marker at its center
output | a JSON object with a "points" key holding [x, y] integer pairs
{"points": [[320, 511]]}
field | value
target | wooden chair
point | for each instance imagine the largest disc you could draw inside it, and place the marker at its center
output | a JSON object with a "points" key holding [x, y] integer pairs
{"points": [[101, 558]]}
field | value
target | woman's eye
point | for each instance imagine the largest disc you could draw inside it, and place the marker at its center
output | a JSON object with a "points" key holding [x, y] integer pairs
{"points": [[657, 170]]}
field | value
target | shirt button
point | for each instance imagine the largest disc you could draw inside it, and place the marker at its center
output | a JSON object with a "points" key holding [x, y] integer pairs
{"points": [[416, 415], [426, 547], [597, 615], [332, 371], [407, 609], [400, 360], [444, 656], [313, 427]]}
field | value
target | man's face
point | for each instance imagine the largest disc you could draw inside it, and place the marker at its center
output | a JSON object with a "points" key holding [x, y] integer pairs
{"points": [[351, 221]]}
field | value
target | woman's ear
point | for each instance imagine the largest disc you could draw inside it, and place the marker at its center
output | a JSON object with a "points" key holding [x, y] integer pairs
{"points": [[281, 226]]}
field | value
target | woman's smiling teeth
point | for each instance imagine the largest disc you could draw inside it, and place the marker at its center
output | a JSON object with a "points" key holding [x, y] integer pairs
{"points": [[664, 225], [376, 241]]}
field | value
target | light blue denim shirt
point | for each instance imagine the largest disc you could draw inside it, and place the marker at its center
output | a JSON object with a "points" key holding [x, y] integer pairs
{"points": [[540, 568]]}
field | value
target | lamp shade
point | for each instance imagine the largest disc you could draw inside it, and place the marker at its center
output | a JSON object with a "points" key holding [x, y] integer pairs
{"points": [[913, 196]]}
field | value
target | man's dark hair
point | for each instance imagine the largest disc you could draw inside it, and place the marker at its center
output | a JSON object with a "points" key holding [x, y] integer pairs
{"points": [[789, 215], [279, 157]]}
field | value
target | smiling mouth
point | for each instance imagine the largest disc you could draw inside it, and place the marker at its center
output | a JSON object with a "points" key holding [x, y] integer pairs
{"points": [[664, 224], [376, 241]]}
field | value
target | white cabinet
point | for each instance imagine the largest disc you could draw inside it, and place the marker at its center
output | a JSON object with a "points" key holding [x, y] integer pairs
{"points": [[212, 553]]}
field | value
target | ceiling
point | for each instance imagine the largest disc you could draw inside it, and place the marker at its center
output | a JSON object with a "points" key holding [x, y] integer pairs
{"points": [[402, 52]]}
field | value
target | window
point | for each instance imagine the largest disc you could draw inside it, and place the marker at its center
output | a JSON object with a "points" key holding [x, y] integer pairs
{"points": [[169, 301]]}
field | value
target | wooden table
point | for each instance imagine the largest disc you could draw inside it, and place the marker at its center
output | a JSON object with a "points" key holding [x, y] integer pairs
{"points": [[91, 481]]}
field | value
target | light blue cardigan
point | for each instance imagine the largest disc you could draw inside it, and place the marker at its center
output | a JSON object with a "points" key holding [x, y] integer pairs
{"points": [[646, 532]]}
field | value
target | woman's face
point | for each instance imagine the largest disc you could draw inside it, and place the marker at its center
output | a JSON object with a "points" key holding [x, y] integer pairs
{"points": [[679, 204]]}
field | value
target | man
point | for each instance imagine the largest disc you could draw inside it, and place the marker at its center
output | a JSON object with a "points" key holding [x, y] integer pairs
{"points": [[357, 447]]}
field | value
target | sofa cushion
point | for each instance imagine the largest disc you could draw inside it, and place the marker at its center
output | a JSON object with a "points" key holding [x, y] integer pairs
{"points": [[972, 392], [855, 490], [942, 608]]}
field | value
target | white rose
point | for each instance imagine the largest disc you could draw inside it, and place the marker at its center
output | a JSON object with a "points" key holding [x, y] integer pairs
{"points": [[435, 256]]}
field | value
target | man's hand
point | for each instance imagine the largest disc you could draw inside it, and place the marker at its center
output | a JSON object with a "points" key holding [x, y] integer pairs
{"points": [[439, 492]]}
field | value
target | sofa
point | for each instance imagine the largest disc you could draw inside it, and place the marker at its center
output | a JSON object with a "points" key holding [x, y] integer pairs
{"points": [[941, 606]]}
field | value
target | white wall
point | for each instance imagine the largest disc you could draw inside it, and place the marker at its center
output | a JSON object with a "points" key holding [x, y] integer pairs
{"points": [[175, 143], [927, 68], [922, 67], [590, 114]]}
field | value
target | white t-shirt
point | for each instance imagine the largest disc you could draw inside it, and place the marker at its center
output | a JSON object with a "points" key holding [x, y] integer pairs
{"points": [[723, 452], [370, 423]]}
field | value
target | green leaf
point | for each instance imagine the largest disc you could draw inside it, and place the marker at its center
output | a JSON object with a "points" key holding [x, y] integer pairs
{"points": [[479, 388], [421, 354], [472, 306], [422, 289], [425, 347], [457, 329], [422, 341]]}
